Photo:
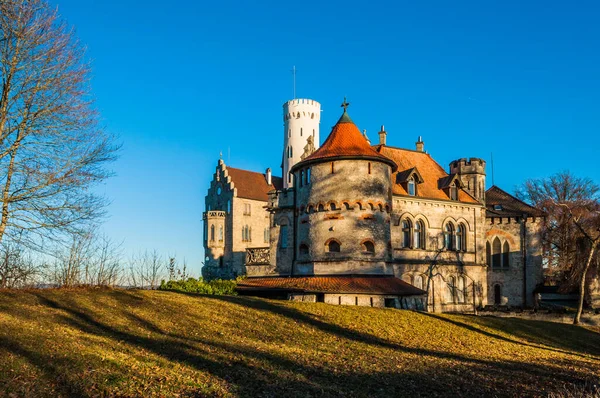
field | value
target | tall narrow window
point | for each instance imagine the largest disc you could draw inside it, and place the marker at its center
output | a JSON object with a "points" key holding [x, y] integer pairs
{"points": [[406, 231], [506, 255], [301, 177], [283, 236], [300, 131], [229, 206], [266, 235], [496, 253], [332, 168], [460, 238], [369, 167], [449, 236], [454, 192], [308, 175], [221, 233], [419, 235], [212, 233], [497, 295], [411, 187], [488, 254]]}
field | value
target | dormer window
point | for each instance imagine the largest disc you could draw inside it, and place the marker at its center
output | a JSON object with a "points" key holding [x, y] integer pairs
{"points": [[453, 192], [498, 207], [412, 187]]}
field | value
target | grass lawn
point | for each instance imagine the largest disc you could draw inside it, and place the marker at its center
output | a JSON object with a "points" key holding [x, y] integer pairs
{"points": [[152, 343]]}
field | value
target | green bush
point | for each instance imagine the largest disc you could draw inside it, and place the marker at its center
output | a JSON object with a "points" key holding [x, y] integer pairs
{"points": [[217, 287]]}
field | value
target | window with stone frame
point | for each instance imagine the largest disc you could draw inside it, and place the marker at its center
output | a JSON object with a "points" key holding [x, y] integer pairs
{"points": [[368, 246], [406, 233], [333, 246], [212, 233], [412, 186], [266, 235], [454, 191], [247, 209], [283, 236], [461, 238], [449, 236], [496, 253], [419, 235], [220, 233], [506, 255]]}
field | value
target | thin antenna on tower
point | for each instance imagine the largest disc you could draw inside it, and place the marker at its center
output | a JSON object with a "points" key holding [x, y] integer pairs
{"points": [[294, 75], [492, 155], [228, 155]]}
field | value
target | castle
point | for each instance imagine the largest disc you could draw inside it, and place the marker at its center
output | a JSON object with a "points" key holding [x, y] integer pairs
{"points": [[360, 224]]}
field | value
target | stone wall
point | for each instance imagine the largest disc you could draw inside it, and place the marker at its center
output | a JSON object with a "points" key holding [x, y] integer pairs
{"points": [[512, 231], [346, 201]]}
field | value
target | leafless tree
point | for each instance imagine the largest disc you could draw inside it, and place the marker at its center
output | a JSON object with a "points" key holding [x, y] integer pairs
{"points": [[146, 270], [52, 150], [90, 260], [17, 268], [559, 232]]}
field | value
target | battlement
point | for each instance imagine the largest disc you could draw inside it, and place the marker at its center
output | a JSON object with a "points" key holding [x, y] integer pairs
{"points": [[301, 108], [467, 166]]}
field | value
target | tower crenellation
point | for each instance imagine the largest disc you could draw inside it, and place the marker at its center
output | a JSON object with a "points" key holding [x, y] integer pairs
{"points": [[472, 175], [301, 118]]}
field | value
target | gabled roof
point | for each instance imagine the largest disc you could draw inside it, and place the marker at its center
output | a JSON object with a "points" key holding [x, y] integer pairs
{"points": [[253, 185], [403, 176], [345, 142], [509, 205], [434, 176], [350, 284]]}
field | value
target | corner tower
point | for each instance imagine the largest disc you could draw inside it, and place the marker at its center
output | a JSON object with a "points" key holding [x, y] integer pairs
{"points": [[472, 174], [301, 118]]}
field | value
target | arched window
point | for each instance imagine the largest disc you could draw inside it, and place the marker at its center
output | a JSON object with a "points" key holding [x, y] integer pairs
{"points": [[304, 249], [488, 254], [368, 246], [333, 246], [451, 285], [461, 241], [332, 206], [321, 207], [412, 187], [506, 255], [418, 282], [419, 235], [497, 294], [406, 232], [220, 233], [496, 253], [449, 236], [347, 206], [212, 233]]}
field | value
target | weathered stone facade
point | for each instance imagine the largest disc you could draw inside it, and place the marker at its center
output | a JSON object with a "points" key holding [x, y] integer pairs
{"points": [[357, 209]]}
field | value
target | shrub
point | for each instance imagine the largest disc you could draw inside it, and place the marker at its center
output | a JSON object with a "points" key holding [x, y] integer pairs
{"points": [[217, 287]]}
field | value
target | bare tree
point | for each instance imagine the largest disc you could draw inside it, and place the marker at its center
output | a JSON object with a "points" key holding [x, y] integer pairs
{"points": [[559, 233], [17, 269], [52, 150], [146, 270]]}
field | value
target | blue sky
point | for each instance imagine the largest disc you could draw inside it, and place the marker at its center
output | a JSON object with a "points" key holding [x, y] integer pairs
{"points": [[181, 81]]}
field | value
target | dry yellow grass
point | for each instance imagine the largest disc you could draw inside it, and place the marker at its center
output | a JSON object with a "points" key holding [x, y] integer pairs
{"points": [[152, 343]]}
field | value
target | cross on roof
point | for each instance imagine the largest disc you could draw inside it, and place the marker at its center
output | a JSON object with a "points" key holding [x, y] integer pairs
{"points": [[345, 105]]}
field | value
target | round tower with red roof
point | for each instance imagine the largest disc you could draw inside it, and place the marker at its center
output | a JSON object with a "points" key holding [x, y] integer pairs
{"points": [[343, 204]]}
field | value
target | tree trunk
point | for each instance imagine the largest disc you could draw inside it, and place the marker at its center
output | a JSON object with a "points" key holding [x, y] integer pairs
{"points": [[582, 285]]}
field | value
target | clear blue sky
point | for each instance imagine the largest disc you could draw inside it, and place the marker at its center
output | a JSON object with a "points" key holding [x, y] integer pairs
{"points": [[181, 81]]}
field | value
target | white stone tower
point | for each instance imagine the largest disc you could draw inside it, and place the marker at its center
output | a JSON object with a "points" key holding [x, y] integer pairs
{"points": [[301, 119]]}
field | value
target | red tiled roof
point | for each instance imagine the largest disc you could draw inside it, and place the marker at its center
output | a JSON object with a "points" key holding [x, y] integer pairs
{"points": [[510, 206], [253, 185], [357, 284], [346, 142], [434, 176]]}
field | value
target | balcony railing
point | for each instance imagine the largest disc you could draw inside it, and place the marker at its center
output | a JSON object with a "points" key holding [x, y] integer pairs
{"points": [[258, 256], [214, 213]]}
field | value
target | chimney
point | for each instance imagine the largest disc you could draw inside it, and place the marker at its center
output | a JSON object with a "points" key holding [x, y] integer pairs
{"points": [[382, 135], [269, 176], [420, 145]]}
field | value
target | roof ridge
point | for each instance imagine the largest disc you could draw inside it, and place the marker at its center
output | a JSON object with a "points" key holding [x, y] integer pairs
{"points": [[513, 197]]}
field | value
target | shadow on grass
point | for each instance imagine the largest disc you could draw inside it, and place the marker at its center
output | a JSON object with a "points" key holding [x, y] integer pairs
{"points": [[252, 372], [560, 338]]}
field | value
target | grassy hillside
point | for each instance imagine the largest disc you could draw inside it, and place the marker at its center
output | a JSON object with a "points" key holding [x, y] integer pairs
{"points": [[151, 343]]}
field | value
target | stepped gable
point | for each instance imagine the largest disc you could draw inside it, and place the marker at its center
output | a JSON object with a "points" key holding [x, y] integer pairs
{"points": [[253, 185], [345, 142], [344, 284], [500, 203], [432, 174]]}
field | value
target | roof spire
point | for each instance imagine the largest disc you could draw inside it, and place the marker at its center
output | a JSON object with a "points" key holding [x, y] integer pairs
{"points": [[345, 118], [345, 105]]}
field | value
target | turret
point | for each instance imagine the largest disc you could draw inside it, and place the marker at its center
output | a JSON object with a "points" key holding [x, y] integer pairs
{"points": [[301, 119], [472, 174]]}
